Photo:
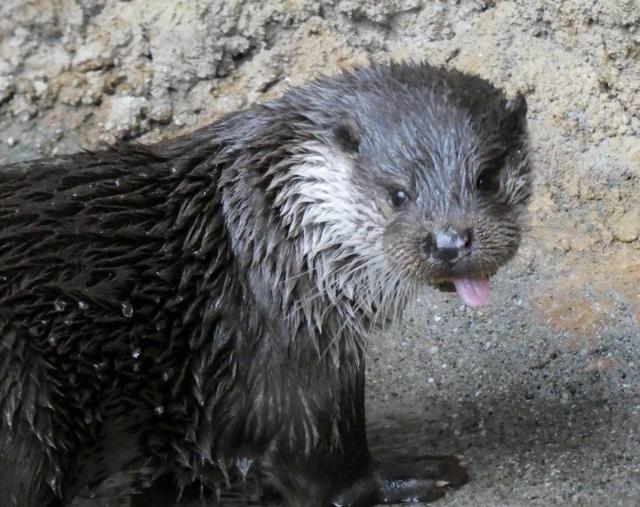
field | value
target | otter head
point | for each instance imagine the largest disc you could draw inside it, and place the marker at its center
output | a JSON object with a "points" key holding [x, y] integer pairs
{"points": [[426, 172]]}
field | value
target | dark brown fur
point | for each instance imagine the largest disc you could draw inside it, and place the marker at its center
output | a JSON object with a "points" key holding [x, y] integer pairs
{"points": [[178, 304]]}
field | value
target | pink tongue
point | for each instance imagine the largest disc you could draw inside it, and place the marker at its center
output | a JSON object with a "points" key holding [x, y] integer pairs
{"points": [[473, 292]]}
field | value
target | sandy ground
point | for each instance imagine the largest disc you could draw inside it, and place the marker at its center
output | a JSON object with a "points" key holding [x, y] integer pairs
{"points": [[541, 389]]}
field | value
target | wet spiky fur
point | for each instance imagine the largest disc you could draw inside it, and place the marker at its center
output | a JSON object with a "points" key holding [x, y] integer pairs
{"points": [[203, 302]]}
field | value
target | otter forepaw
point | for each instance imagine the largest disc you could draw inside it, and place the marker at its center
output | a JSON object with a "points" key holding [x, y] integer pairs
{"points": [[423, 480]]}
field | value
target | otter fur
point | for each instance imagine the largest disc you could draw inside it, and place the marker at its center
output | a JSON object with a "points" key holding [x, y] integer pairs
{"points": [[202, 304]]}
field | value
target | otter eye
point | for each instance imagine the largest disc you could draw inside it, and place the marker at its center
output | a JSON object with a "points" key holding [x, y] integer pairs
{"points": [[398, 198], [487, 182]]}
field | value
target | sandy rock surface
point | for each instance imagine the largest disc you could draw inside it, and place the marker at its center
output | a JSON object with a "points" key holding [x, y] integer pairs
{"points": [[540, 390]]}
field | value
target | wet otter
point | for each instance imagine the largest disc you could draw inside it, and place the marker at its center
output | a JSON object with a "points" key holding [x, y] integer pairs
{"points": [[202, 304]]}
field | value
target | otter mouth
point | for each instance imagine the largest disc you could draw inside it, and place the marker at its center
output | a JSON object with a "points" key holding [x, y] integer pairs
{"points": [[474, 292], [446, 286]]}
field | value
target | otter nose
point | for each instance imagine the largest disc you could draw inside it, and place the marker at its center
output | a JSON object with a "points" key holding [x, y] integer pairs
{"points": [[448, 245]]}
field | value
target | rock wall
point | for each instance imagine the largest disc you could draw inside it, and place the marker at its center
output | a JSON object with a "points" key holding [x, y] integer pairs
{"points": [[76, 72]]}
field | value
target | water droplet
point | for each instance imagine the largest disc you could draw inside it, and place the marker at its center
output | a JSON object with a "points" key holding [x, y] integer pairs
{"points": [[244, 465], [52, 339], [83, 305], [67, 322], [116, 183], [127, 310], [59, 305], [52, 480], [174, 169], [36, 330], [3, 279], [166, 375], [135, 353], [159, 410]]}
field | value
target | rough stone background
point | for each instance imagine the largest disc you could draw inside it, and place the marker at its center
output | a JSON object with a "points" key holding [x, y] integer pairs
{"points": [[540, 390]]}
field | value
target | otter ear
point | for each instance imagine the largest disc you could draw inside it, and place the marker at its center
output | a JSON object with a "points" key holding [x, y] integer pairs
{"points": [[346, 137], [517, 108]]}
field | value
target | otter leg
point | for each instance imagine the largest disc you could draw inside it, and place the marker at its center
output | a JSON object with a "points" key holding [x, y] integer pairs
{"points": [[417, 480], [339, 470], [423, 480]]}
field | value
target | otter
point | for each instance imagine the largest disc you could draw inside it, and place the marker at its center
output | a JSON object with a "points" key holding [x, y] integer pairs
{"points": [[201, 305]]}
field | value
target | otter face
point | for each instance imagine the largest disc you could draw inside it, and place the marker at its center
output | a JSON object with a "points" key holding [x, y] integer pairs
{"points": [[448, 184], [403, 175]]}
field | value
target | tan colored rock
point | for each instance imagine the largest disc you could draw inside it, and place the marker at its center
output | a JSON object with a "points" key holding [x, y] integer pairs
{"points": [[125, 113], [626, 228], [6, 89]]}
